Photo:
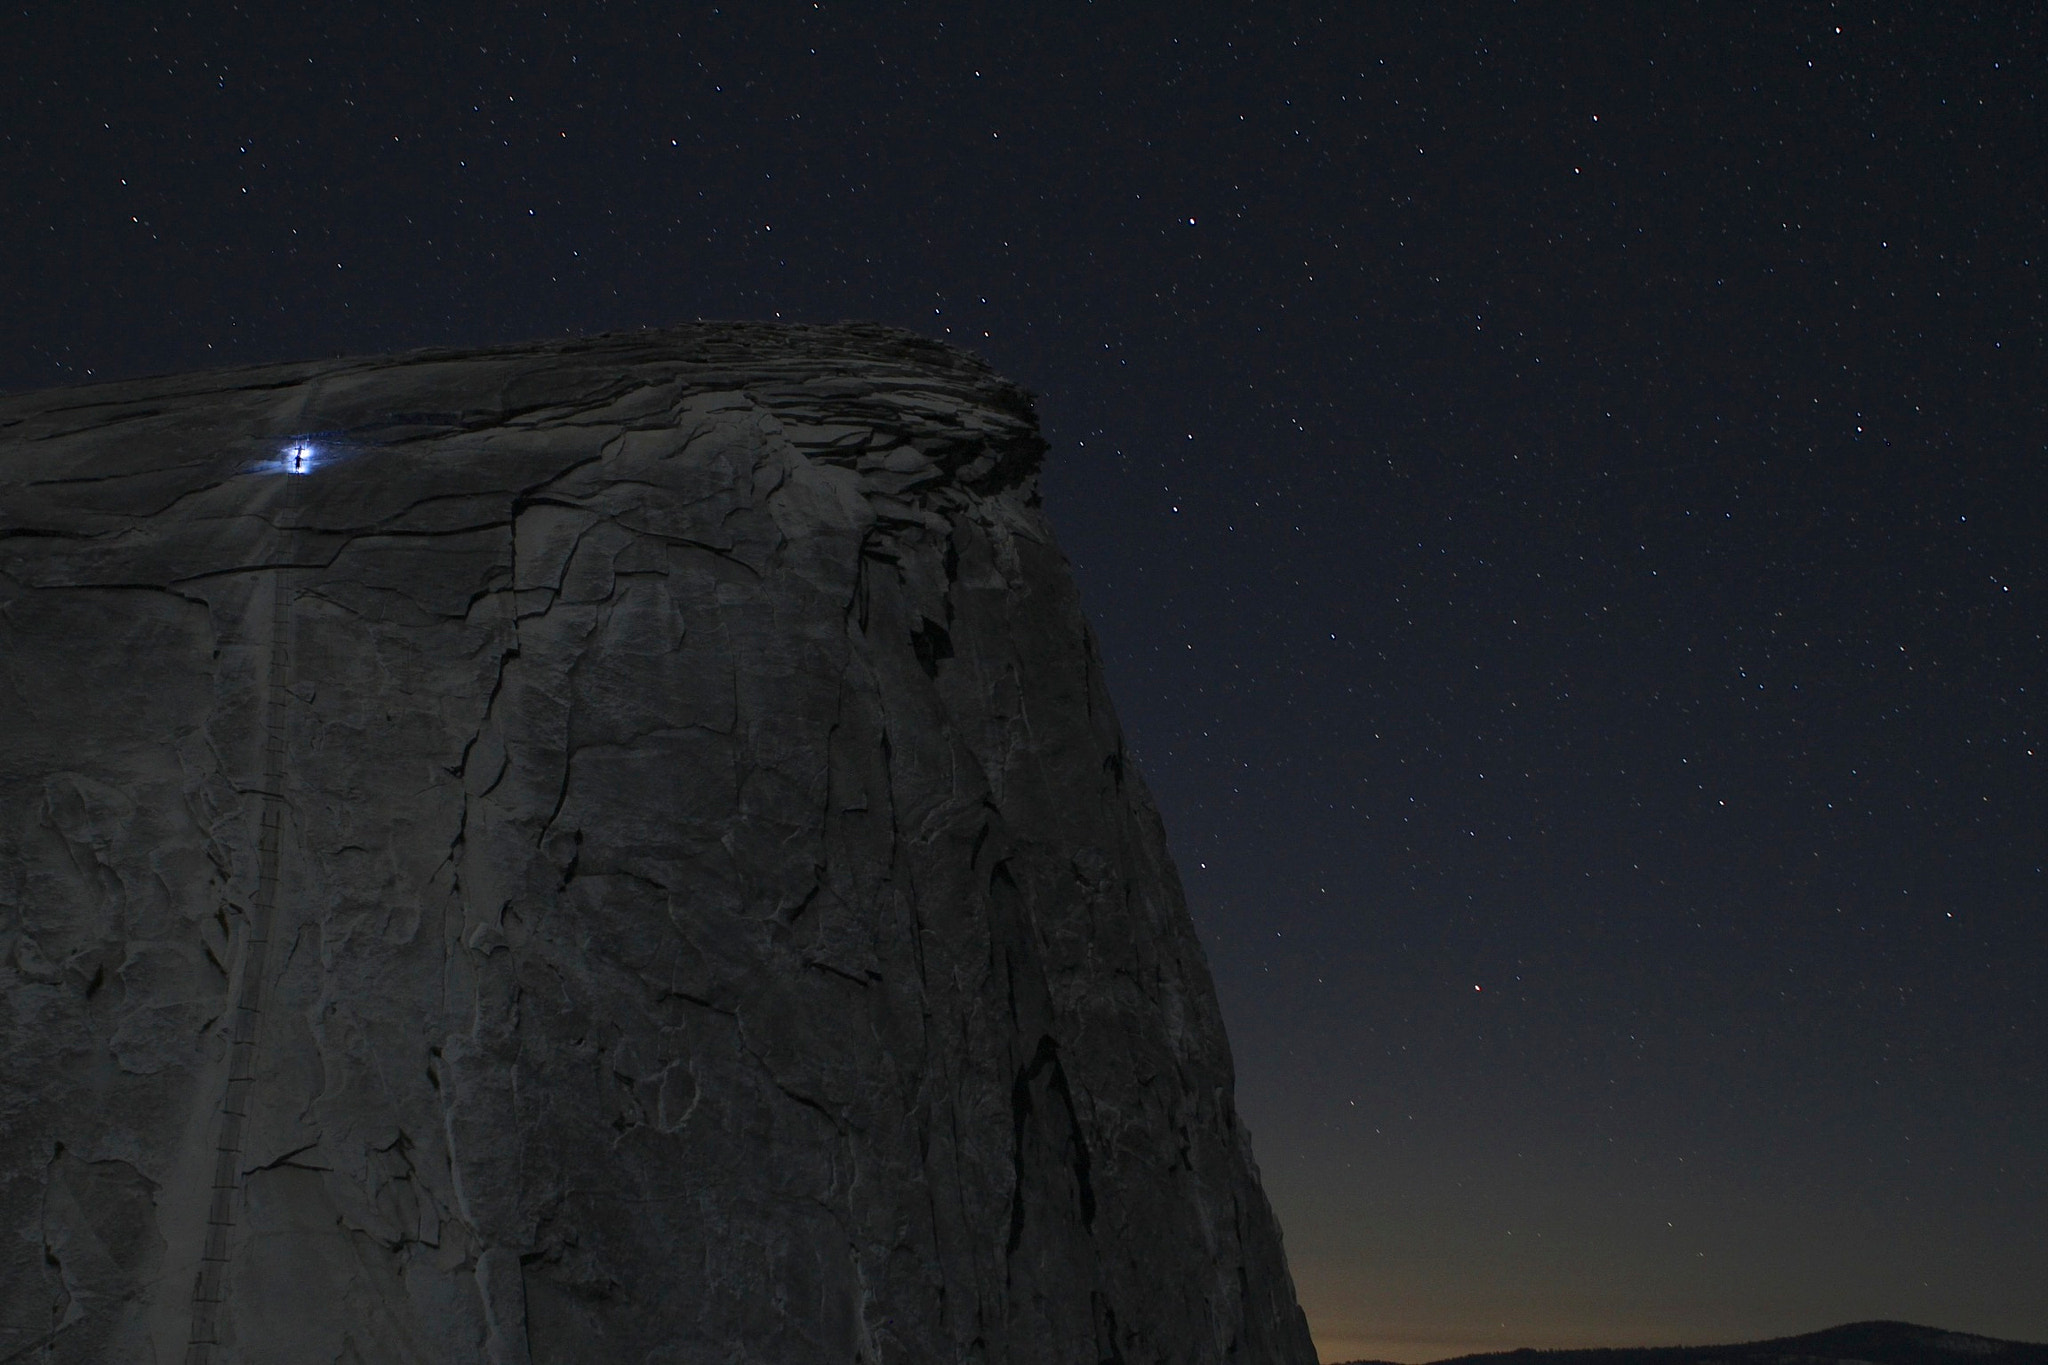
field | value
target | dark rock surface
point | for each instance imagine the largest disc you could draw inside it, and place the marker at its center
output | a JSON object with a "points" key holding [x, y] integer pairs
{"points": [[1855, 1343], [628, 858]]}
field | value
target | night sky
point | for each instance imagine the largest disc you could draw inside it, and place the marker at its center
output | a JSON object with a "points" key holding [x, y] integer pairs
{"points": [[1558, 488]]}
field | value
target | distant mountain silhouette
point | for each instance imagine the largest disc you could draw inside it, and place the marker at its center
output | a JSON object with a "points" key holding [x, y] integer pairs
{"points": [[1856, 1343]]}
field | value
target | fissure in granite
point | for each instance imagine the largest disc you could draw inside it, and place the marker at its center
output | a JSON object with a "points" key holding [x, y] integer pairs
{"points": [[706, 909]]}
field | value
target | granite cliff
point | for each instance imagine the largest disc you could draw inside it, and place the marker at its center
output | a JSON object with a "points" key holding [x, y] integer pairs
{"points": [[611, 850]]}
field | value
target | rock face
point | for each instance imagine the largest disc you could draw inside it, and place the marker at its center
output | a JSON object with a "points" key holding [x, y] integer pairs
{"points": [[602, 851]]}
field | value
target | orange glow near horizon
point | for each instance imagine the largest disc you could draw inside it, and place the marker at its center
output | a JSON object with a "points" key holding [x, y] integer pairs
{"points": [[1341, 1340]]}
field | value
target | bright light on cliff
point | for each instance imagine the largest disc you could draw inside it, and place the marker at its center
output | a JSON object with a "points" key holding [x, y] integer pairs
{"points": [[299, 455]]}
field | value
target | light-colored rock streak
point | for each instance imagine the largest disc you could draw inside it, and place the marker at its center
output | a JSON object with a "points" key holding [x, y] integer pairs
{"points": [[210, 1285]]}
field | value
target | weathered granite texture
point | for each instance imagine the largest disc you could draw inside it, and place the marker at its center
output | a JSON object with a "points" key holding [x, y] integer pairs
{"points": [[709, 915]]}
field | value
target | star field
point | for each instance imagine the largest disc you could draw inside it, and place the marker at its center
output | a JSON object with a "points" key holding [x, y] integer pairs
{"points": [[1557, 491]]}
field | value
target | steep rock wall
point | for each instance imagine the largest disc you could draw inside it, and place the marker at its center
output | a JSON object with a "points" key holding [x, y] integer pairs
{"points": [[600, 851]]}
